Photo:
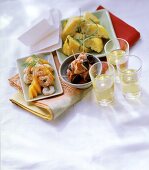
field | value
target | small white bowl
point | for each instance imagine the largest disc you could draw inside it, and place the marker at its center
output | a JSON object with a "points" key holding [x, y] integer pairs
{"points": [[63, 72]]}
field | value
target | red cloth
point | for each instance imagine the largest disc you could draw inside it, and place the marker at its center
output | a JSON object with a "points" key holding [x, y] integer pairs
{"points": [[123, 30]]}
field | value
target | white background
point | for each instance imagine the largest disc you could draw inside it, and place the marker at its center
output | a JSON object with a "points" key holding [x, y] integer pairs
{"points": [[87, 136]]}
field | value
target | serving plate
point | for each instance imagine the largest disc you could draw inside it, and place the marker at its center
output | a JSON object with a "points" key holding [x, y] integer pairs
{"points": [[105, 20], [25, 87]]}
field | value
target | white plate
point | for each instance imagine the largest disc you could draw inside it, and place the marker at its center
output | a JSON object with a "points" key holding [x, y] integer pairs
{"points": [[105, 21], [58, 87]]}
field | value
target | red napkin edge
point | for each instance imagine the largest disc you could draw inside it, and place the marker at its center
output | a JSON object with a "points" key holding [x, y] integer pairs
{"points": [[123, 30]]}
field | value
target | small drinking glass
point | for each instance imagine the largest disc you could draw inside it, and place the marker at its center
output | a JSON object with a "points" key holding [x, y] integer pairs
{"points": [[115, 49], [129, 72], [102, 77]]}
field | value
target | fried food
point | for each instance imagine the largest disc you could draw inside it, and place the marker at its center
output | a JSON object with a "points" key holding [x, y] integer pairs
{"points": [[83, 34]]}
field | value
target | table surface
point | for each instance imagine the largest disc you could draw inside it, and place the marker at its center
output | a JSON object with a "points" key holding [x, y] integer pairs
{"points": [[87, 136]]}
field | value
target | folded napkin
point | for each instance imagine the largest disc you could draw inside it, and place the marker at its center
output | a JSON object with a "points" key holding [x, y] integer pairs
{"points": [[123, 30], [44, 36], [49, 108]]}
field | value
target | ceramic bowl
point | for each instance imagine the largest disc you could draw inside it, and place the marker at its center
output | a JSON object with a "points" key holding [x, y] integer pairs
{"points": [[63, 72]]}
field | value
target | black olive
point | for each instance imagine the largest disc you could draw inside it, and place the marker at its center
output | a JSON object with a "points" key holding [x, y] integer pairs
{"points": [[31, 72], [87, 78], [76, 79], [91, 59], [86, 64], [69, 67]]}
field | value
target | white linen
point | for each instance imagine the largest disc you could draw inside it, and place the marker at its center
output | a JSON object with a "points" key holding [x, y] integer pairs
{"points": [[87, 136], [35, 34], [44, 34]]}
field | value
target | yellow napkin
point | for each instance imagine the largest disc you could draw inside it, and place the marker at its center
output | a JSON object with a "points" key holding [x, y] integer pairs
{"points": [[18, 99], [49, 108]]}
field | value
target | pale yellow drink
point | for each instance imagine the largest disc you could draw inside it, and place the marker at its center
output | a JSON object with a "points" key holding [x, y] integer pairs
{"points": [[114, 56], [130, 83], [104, 88]]}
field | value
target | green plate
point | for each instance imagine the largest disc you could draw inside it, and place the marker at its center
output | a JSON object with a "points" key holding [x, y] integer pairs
{"points": [[105, 21], [25, 87]]}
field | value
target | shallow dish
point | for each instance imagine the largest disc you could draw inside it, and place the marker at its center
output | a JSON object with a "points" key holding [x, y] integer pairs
{"points": [[57, 85], [63, 72], [105, 20]]}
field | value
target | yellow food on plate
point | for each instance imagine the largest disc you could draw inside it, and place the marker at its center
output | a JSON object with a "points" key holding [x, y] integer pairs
{"points": [[39, 75], [29, 60], [43, 61], [52, 78], [91, 18], [102, 32], [93, 43], [36, 85], [72, 46], [83, 34], [78, 36], [96, 44], [71, 27], [32, 92], [64, 23], [96, 30]]}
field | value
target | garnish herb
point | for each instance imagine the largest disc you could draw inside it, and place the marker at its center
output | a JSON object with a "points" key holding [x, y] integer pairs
{"points": [[93, 21], [85, 37], [31, 63]]}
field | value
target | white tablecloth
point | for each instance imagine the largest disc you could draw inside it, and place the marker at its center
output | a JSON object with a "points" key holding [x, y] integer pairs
{"points": [[87, 136]]}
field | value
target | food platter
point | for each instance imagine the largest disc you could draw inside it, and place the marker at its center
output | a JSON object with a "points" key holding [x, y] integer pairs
{"points": [[25, 87], [105, 21]]}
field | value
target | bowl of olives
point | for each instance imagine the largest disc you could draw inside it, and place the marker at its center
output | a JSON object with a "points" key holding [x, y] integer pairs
{"points": [[74, 71]]}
